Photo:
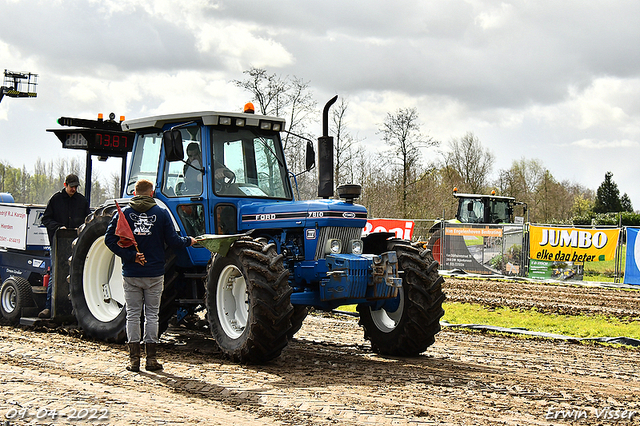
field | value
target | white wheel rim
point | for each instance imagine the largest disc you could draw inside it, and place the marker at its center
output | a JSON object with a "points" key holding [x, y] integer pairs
{"points": [[102, 282], [9, 297], [388, 321], [232, 301]]}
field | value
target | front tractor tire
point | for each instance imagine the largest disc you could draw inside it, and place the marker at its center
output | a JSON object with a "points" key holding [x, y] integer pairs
{"points": [[407, 325], [249, 302]]}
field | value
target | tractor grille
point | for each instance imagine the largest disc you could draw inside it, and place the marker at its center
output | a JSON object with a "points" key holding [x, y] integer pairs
{"points": [[336, 233]]}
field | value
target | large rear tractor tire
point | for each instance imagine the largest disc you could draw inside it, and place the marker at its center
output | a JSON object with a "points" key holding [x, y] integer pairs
{"points": [[407, 325], [96, 283], [15, 294], [249, 302]]}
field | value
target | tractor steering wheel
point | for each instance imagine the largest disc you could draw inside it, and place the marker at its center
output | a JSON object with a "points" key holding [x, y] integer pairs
{"points": [[227, 179]]}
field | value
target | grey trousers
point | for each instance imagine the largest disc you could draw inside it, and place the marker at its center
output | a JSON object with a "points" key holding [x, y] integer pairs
{"points": [[141, 294]]}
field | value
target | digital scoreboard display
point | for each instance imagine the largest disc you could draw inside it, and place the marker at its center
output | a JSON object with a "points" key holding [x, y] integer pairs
{"points": [[96, 140], [75, 141], [119, 142]]}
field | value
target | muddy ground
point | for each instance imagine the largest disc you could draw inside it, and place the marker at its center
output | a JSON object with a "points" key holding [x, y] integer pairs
{"points": [[328, 375]]}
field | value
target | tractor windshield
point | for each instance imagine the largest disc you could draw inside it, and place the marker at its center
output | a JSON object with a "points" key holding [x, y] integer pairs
{"points": [[471, 211], [146, 155], [249, 164]]}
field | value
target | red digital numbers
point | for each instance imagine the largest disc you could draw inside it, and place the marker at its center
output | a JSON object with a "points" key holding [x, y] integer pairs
{"points": [[116, 142]]}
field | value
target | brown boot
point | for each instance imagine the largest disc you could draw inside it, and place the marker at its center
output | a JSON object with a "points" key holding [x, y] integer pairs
{"points": [[152, 363], [134, 357]]}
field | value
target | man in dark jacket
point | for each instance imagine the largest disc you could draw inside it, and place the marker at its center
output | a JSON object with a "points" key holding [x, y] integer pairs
{"points": [[65, 209], [143, 268]]}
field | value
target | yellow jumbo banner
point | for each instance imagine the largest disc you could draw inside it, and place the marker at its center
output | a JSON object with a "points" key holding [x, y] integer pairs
{"points": [[572, 244]]}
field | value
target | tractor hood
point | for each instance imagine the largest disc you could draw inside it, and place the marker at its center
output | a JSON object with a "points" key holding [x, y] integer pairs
{"points": [[301, 214]]}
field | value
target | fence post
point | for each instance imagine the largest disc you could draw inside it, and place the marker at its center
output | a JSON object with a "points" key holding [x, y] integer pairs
{"points": [[525, 249], [443, 244], [617, 268]]}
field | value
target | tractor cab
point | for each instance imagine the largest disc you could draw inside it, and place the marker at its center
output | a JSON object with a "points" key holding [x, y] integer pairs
{"points": [[208, 165], [475, 209], [485, 209]]}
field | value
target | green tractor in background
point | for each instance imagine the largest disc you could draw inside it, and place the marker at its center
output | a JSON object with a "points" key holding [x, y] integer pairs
{"points": [[475, 209]]}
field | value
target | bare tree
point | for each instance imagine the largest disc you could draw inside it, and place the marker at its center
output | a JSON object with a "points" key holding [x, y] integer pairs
{"points": [[401, 131], [346, 148], [379, 185], [522, 181], [286, 97], [551, 193], [268, 90], [470, 161], [114, 184], [301, 106]]}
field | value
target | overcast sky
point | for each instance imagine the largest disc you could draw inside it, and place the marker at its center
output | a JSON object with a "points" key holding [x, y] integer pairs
{"points": [[557, 81]]}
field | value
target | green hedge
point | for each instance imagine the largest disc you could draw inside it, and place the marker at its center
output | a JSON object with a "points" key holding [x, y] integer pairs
{"points": [[626, 218]]}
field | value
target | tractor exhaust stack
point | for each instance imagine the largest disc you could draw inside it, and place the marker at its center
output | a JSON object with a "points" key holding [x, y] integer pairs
{"points": [[325, 155]]}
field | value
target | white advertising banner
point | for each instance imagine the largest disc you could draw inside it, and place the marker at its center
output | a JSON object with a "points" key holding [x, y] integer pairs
{"points": [[13, 227]]}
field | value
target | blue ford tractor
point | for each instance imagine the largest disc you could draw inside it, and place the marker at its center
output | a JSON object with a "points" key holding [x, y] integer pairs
{"points": [[224, 179]]}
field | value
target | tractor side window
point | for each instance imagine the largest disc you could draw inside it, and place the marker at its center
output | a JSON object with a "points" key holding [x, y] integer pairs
{"points": [[192, 218], [249, 164], [268, 168], [146, 157], [499, 211], [184, 178], [234, 159], [226, 219]]}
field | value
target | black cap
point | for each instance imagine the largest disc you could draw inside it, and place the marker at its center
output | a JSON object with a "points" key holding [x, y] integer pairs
{"points": [[72, 180]]}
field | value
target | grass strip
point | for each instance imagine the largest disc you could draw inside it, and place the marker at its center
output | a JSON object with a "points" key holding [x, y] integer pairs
{"points": [[569, 325], [598, 279]]}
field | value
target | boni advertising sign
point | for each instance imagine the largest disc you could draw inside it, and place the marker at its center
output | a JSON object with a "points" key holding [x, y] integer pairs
{"points": [[13, 227], [401, 227], [560, 253]]}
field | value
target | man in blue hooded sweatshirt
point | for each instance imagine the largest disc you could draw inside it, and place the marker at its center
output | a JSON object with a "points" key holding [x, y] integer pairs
{"points": [[143, 268]]}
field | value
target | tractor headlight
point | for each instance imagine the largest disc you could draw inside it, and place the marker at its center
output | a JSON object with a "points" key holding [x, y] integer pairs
{"points": [[333, 247], [356, 246]]}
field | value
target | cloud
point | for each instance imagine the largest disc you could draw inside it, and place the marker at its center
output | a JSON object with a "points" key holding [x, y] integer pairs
{"points": [[484, 55], [111, 39], [559, 81], [496, 17], [599, 144]]}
